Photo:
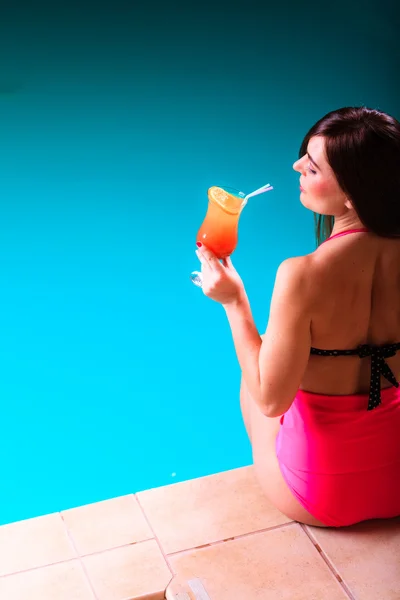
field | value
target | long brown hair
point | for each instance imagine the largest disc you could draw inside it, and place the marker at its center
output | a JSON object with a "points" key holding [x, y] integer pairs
{"points": [[363, 150]]}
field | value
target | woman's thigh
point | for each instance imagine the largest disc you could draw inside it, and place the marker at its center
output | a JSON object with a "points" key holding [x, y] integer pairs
{"points": [[262, 432]]}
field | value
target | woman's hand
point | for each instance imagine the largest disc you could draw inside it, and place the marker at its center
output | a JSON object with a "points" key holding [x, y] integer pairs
{"points": [[221, 281]]}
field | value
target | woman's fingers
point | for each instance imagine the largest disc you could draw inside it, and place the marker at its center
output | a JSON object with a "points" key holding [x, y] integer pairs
{"points": [[208, 258], [220, 280], [227, 262]]}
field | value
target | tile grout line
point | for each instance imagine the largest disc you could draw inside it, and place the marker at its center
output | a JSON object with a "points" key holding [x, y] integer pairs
{"points": [[53, 564], [156, 538], [231, 539], [68, 560], [86, 574], [329, 564], [165, 556]]}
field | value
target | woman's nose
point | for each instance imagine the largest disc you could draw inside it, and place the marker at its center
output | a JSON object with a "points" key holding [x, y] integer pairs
{"points": [[296, 165], [300, 166]]}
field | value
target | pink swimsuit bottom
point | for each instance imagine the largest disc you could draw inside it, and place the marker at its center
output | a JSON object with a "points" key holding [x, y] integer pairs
{"points": [[340, 460], [340, 454]]}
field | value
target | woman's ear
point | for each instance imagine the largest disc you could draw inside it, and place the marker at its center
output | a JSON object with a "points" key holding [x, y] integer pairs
{"points": [[348, 203]]}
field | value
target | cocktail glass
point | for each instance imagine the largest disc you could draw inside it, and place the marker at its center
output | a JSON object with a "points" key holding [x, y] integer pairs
{"points": [[219, 230]]}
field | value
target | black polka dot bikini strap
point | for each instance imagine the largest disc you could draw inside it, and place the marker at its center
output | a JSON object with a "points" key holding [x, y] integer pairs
{"points": [[319, 352], [379, 366]]}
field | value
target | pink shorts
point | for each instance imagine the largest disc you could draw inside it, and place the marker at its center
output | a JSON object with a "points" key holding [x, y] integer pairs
{"points": [[340, 461]]}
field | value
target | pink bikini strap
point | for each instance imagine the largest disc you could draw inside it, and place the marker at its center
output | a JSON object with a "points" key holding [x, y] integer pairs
{"points": [[361, 230]]}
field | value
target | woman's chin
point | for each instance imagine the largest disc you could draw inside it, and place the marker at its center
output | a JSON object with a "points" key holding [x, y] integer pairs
{"points": [[305, 202]]}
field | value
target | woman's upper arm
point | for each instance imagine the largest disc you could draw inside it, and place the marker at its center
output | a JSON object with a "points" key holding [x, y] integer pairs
{"points": [[285, 348]]}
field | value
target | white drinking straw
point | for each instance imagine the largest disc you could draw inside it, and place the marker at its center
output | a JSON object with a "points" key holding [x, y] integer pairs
{"points": [[261, 190]]}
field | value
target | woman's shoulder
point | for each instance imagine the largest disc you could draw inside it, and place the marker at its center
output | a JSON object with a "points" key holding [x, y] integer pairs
{"points": [[295, 268], [317, 262], [299, 276]]}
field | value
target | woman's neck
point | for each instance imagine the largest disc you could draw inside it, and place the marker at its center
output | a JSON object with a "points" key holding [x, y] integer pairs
{"points": [[346, 222]]}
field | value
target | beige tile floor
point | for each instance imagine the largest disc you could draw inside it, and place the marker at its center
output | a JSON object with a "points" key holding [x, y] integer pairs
{"points": [[214, 538]]}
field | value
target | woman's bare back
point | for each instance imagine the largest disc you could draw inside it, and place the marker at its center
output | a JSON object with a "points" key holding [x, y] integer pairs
{"points": [[355, 287]]}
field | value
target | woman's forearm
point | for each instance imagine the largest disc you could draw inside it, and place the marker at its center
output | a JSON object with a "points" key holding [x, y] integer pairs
{"points": [[247, 343]]}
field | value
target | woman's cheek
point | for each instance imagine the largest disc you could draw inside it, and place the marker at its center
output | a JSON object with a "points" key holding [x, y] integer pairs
{"points": [[321, 188]]}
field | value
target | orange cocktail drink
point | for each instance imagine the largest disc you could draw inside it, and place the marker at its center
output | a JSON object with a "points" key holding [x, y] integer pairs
{"points": [[219, 230]]}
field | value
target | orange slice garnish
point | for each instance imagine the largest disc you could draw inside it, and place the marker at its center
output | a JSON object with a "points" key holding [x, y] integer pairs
{"points": [[226, 201]]}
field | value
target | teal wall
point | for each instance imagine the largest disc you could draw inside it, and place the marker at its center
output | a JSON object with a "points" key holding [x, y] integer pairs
{"points": [[114, 120]]}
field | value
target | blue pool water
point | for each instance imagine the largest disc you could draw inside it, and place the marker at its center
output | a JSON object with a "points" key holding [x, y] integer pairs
{"points": [[117, 375]]}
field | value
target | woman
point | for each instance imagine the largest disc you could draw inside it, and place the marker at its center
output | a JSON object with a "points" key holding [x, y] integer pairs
{"points": [[319, 394]]}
